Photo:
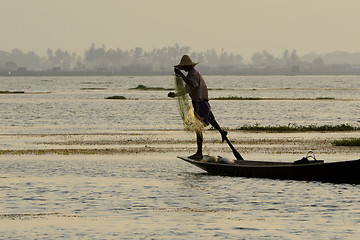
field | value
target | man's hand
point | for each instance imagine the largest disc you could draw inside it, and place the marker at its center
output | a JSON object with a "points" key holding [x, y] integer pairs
{"points": [[177, 71], [171, 94]]}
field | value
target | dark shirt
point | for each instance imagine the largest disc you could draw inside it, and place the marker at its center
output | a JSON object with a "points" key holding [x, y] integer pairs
{"points": [[196, 86]]}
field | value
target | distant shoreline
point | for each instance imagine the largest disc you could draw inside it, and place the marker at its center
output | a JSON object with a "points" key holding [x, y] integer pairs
{"points": [[246, 72]]}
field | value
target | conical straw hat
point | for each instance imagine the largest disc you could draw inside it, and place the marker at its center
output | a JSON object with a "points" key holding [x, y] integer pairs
{"points": [[186, 61]]}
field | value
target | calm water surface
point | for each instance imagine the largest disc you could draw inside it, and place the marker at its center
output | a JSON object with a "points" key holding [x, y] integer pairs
{"points": [[156, 196], [77, 104]]}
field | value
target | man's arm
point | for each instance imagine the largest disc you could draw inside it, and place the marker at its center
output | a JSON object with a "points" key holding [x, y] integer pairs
{"points": [[186, 80], [190, 83], [178, 72], [183, 77]]}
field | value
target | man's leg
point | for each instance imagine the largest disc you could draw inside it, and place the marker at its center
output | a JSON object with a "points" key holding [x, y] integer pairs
{"points": [[199, 142], [213, 123]]}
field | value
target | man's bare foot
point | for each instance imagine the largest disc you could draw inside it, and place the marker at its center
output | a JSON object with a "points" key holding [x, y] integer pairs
{"points": [[196, 157]]}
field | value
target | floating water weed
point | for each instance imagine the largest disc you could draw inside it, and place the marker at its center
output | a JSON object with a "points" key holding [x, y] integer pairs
{"points": [[297, 128], [11, 92], [353, 142], [145, 88], [116, 97]]}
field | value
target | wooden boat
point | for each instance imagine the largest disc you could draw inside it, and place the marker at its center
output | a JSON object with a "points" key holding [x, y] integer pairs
{"points": [[304, 169]]}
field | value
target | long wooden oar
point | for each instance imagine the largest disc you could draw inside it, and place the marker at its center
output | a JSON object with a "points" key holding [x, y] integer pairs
{"points": [[236, 153]]}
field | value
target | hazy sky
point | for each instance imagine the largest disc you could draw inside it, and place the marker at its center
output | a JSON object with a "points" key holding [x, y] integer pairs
{"points": [[238, 26]]}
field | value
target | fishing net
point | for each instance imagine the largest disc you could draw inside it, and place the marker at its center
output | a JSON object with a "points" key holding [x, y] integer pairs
{"points": [[190, 121]]}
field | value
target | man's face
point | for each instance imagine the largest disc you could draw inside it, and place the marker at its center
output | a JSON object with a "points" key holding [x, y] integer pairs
{"points": [[187, 68]]}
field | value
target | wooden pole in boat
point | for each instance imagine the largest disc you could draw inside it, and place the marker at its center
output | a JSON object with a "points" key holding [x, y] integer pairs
{"points": [[235, 152]]}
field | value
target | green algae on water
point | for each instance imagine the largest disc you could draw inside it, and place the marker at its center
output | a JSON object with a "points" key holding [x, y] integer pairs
{"points": [[116, 97], [298, 128], [352, 142]]}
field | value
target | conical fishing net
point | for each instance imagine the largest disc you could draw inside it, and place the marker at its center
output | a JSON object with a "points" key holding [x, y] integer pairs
{"points": [[190, 121]]}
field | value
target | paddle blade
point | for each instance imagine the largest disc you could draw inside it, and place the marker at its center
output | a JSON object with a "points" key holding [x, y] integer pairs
{"points": [[235, 152]]}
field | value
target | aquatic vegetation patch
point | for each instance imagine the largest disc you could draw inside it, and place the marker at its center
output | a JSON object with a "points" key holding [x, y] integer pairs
{"points": [[12, 92], [161, 143], [197, 210], [145, 88], [93, 88], [116, 97], [258, 98], [236, 98], [352, 142], [58, 151], [325, 98], [92, 151], [298, 128], [28, 216]]}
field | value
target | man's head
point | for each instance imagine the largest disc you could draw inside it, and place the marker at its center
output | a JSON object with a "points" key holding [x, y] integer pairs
{"points": [[186, 63]]}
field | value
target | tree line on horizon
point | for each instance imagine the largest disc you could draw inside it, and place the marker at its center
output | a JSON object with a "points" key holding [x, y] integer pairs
{"points": [[161, 60]]}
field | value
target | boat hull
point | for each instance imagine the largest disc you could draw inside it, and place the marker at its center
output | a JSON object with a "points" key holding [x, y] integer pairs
{"points": [[337, 172]]}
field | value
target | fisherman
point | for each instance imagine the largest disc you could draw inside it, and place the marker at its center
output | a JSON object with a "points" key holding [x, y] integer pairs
{"points": [[197, 89]]}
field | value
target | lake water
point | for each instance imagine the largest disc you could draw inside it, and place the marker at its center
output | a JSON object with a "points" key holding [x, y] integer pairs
{"points": [[77, 104], [155, 195]]}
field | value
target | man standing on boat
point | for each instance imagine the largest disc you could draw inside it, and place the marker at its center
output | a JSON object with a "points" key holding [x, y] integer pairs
{"points": [[197, 89]]}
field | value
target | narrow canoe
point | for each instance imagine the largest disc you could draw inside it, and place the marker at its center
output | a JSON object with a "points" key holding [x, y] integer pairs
{"points": [[337, 172]]}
